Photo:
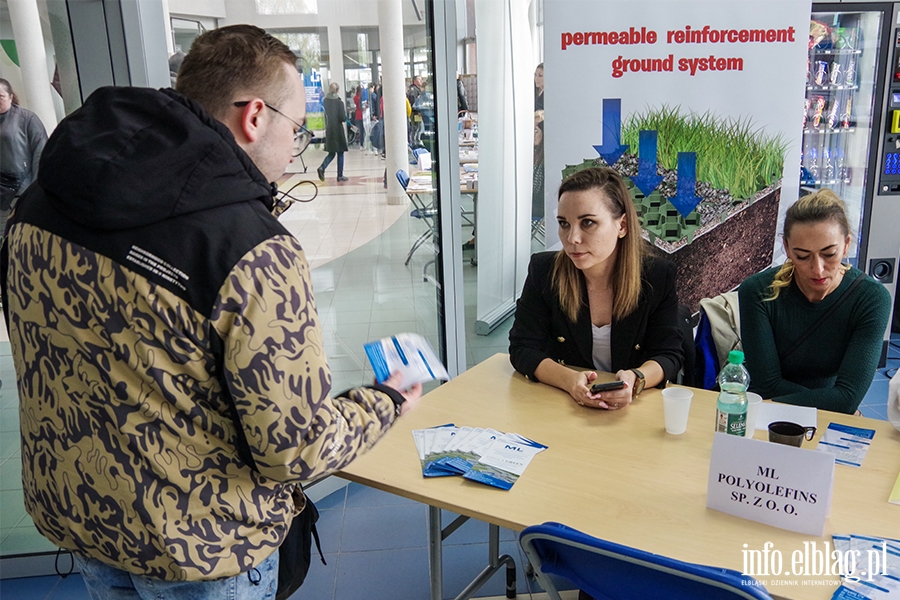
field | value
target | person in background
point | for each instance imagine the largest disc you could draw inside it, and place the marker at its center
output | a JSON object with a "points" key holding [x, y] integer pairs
{"points": [[792, 354], [539, 87], [358, 116], [335, 138], [375, 100], [600, 302], [22, 139], [369, 118], [165, 336], [462, 104], [412, 93], [174, 64], [537, 185]]}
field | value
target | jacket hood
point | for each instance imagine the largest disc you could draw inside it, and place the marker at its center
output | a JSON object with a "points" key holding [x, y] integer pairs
{"points": [[134, 156]]}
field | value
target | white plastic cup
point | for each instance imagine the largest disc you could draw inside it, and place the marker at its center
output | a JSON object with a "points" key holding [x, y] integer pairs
{"points": [[676, 408], [753, 403]]}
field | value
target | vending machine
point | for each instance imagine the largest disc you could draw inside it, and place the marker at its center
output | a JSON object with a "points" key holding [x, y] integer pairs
{"points": [[852, 91], [844, 83], [881, 222]]}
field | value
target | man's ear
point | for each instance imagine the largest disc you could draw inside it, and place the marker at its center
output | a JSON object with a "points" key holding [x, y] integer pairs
{"points": [[250, 120]]}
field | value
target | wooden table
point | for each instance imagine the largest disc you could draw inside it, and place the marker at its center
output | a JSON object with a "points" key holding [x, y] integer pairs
{"points": [[618, 475]]}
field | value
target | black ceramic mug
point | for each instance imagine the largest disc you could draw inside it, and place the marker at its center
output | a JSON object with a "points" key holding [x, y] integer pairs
{"points": [[791, 434]]}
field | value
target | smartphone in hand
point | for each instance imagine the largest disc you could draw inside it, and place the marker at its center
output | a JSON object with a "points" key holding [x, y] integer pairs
{"points": [[607, 387]]}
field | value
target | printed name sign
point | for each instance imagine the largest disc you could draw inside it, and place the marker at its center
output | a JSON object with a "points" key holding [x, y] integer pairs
{"points": [[770, 483]]}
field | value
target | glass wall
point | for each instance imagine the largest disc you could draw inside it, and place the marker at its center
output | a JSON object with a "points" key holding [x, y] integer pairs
{"points": [[58, 88], [500, 155], [372, 248]]}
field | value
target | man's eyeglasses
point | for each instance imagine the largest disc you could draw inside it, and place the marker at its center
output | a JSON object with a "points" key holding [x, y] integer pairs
{"points": [[300, 128]]}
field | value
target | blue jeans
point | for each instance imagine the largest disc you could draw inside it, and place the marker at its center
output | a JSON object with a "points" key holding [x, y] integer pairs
{"points": [[330, 158], [109, 583]]}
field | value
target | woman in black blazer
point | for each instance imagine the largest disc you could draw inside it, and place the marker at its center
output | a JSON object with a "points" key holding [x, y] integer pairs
{"points": [[599, 303]]}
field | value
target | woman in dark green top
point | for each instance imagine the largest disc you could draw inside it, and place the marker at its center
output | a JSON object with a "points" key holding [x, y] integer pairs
{"points": [[833, 367]]}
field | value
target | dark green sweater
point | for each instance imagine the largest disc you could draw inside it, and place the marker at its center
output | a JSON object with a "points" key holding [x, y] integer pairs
{"points": [[834, 367]]}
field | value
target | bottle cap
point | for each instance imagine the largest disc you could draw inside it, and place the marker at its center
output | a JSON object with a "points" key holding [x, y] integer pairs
{"points": [[735, 357]]}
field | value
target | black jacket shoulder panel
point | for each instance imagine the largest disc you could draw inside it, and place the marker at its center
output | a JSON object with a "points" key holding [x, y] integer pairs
{"points": [[150, 180]]}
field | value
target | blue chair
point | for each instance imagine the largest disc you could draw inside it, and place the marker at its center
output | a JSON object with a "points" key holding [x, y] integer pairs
{"points": [[609, 571], [403, 178], [423, 211]]}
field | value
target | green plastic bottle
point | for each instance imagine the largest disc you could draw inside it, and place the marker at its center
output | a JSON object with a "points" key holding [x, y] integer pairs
{"points": [[731, 407]]}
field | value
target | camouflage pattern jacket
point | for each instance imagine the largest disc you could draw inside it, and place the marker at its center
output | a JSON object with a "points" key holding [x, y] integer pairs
{"points": [[146, 281]]}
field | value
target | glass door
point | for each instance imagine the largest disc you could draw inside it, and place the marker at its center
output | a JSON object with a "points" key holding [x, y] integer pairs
{"points": [[843, 79]]}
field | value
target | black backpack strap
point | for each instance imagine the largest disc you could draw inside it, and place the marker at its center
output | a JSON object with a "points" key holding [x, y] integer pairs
{"points": [[823, 318], [294, 552]]}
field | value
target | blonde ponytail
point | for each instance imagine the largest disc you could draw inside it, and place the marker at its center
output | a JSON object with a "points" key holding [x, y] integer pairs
{"points": [[783, 279]]}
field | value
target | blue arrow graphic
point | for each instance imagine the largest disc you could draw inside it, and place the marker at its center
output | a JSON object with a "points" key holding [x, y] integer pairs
{"points": [[646, 178], [685, 199], [611, 149]]}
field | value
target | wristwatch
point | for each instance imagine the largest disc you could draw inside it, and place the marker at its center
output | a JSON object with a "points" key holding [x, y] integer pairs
{"points": [[639, 383], [398, 407]]}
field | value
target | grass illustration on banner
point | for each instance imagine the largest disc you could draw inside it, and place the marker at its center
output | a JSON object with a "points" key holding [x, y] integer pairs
{"points": [[732, 154], [705, 187]]}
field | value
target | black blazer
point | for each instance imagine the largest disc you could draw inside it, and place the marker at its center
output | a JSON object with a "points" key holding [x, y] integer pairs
{"points": [[541, 330]]}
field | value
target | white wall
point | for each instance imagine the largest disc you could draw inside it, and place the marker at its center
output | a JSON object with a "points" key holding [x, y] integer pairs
{"points": [[200, 8], [348, 13]]}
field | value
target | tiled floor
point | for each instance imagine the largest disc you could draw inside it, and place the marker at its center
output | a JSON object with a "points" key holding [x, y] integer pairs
{"points": [[375, 547]]}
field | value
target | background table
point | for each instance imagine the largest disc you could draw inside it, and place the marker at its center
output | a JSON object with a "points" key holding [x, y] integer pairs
{"points": [[619, 476]]}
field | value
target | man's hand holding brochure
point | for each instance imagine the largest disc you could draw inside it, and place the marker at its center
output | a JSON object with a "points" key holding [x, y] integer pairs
{"points": [[487, 456], [409, 354]]}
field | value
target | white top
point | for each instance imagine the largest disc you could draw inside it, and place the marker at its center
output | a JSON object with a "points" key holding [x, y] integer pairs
{"points": [[602, 353]]}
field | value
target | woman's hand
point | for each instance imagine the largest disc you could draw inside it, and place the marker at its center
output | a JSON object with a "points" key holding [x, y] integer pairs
{"points": [[621, 398], [580, 390]]}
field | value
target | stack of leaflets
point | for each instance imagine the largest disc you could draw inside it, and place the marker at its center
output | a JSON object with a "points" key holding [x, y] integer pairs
{"points": [[484, 455], [870, 567], [848, 444], [408, 353]]}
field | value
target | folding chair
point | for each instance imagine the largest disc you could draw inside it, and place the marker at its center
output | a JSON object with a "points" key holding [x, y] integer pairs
{"points": [[423, 211], [609, 571]]}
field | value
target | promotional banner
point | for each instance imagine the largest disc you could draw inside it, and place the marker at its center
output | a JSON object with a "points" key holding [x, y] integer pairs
{"points": [[315, 96], [696, 103]]}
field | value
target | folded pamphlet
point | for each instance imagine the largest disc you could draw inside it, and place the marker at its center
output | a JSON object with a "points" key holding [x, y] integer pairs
{"points": [[408, 353], [484, 455], [848, 444], [871, 567], [504, 461]]}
